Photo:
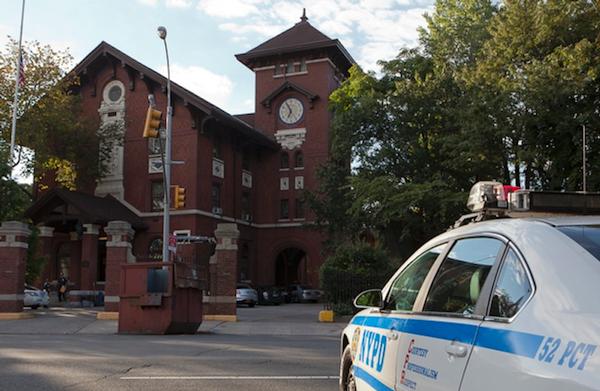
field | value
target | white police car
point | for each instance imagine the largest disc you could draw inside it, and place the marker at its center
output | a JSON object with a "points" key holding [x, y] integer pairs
{"points": [[502, 304]]}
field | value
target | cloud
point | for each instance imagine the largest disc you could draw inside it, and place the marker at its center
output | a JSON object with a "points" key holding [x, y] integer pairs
{"points": [[4, 33], [151, 3], [262, 29], [179, 3], [228, 9], [374, 29], [215, 88]]}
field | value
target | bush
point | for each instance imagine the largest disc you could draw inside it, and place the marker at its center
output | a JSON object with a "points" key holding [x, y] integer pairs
{"points": [[352, 269]]}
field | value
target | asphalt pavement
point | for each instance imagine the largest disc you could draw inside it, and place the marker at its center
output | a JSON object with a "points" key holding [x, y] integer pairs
{"points": [[269, 348]]}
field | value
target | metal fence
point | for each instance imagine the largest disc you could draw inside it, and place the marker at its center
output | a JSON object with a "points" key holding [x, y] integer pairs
{"points": [[341, 287]]}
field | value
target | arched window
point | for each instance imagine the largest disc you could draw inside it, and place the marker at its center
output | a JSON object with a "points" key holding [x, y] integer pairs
{"points": [[285, 160], [155, 249], [299, 159]]}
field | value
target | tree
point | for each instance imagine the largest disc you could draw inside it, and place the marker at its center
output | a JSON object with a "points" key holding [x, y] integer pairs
{"points": [[15, 197], [49, 118], [538, 81], [490, 93]]}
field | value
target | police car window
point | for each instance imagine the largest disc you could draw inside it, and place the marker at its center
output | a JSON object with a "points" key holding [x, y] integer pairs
{"points": [[458, 282], [512, 288], [405, 288], [587, 237]]}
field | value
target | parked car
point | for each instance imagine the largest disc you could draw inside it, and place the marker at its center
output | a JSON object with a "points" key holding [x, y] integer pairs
{"points": [[35, 298], [269, 295], [303, 293], [245, 294]]}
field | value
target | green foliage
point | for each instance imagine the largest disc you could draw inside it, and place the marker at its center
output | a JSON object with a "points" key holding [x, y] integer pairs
{"points": [[491, 93], [50, 120], [16, 197], [353, 268], [34, 263]]}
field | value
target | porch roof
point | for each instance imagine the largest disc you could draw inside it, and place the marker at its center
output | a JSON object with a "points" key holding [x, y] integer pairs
{"points": [[60, 206]]}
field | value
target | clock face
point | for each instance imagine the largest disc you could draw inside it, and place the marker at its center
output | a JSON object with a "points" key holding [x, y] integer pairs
{"points": [[291, 111]]}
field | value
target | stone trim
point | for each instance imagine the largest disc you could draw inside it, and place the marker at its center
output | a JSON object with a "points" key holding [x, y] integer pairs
{"points": [[91, 229], [13, 297], [188, 212], [14, 234], [10, 242], [264, 68], [112, 299], [219, 299], [46, 232]]}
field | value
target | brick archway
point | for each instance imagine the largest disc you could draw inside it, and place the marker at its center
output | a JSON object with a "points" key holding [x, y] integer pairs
{"points": [[290, 266]]}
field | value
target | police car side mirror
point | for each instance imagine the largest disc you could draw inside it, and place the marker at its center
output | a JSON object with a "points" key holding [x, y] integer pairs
{"points": [[373, 298]]}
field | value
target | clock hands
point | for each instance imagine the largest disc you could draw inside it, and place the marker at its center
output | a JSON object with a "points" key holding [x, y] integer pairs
{"points": [[289, 109]]}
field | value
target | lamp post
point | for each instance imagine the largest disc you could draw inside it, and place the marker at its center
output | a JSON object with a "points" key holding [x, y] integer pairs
{"points": [[162, 33]]}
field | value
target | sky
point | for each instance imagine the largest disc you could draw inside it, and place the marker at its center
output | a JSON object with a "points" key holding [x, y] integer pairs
{"points": [[204, 35]]}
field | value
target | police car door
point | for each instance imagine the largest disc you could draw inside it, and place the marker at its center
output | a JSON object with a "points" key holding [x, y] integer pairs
{"points": [[437, 340], [380, 330]]}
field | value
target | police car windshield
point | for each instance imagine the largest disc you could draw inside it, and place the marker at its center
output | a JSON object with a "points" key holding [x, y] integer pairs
{"points": [[586, 236]]}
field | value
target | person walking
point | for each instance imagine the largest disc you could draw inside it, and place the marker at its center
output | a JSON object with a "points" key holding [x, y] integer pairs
{"points": [[62, 287]]}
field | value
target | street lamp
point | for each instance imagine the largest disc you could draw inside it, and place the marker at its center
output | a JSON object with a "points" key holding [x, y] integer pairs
{"points": [[162, 33]]}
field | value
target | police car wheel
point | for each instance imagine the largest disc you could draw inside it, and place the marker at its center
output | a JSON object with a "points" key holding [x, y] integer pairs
{"points": [[347, 380]]}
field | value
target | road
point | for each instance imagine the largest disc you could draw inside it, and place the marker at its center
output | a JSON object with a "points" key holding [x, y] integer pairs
{"points": [[221, 357]]}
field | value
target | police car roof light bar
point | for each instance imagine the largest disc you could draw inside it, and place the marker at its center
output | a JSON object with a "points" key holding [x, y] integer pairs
{"points": [[490, 200]]}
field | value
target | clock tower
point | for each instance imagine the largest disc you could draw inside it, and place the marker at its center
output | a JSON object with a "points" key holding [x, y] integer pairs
{"points": [[295, 73]]}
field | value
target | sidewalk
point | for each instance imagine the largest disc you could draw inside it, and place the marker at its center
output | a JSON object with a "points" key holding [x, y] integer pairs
{"points": [[289, 319]]}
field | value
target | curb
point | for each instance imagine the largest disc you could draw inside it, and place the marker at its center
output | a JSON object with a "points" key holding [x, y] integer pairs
{"points": [[16, 315], [221, 318], [104, 315]]}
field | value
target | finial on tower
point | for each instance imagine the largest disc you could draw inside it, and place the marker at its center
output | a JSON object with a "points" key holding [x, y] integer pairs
{"points": [[303, 18]]}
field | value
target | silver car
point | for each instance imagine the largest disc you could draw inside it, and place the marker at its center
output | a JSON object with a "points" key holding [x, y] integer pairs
{"points": [[35, 298], [245, 294], [302, 293]]}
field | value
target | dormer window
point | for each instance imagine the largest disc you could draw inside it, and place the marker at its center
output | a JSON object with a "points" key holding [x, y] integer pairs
{"points": [[290, 67], [303, 65]]}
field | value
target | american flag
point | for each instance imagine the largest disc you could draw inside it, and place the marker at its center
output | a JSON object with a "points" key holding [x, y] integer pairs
{"points": [[21, 70]]}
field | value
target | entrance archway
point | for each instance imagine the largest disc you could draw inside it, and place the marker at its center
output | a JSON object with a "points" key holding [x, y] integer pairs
{"points": [[290, 267]]}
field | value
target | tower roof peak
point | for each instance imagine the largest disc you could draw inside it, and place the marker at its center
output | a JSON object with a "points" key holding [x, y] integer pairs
{"points": [[303, 18], [301, 38]]}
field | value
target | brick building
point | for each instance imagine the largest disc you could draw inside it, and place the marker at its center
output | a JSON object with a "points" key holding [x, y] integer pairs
{"points": [[249, 169]]}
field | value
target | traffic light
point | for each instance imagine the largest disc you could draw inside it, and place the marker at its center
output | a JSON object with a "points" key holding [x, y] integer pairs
{"points": [[179, 197], [152, 124]]}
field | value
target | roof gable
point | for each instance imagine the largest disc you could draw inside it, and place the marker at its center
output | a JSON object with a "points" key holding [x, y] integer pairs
{"points": [[84, 207], [189, 98], [287, 86], [300, 37]]}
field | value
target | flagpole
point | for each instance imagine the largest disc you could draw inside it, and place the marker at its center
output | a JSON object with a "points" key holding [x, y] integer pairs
{"points": [[16, 101]]}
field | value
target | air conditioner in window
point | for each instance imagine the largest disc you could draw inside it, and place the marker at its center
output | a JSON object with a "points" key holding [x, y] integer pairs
{"points": [[216, 210]]}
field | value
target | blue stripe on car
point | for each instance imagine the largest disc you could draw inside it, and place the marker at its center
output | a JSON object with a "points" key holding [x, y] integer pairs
{"points": [[363, 375], [508, 341]]}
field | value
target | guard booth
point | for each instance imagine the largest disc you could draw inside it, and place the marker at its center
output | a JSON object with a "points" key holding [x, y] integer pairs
{"points": [[166, 297]]}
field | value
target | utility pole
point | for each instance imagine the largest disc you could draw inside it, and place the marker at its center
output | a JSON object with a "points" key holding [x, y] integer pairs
{"points": [[13, 131], [162, 33]]}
